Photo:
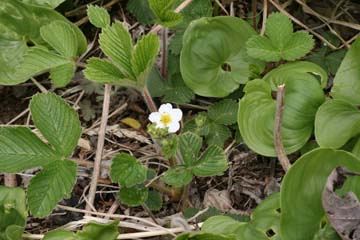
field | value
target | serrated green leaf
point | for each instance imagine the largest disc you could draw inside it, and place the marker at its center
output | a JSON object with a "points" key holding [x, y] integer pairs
{"points": [[170, 146], [189, 147], [346, 82], [327, 59], [154, 201], [144, 56], [176, 91], [60, 235], [13, 213], [224, 112], [141, 10], [342, 118], [303, 96], [195, 10], [115, 41], [279, 29], [178, 176], [57, 122], [217, 134], [212, 162], [98, 16], [262, 48], [97, 231], [20, 149], [301, 191], [127, 171], [134, 196], [48, 187], [204, 236], [175, 44], [211, 44], [298, 46], [61, 37], [45, 3], [164, 14], [103, 71], [63, 74]]}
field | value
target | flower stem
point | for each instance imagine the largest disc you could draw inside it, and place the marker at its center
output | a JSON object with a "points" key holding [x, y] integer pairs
{"points": [[148, 100]]}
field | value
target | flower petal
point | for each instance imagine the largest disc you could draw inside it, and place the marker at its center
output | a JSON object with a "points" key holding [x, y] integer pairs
{"points": [[176, 114], [174, 127], [154, 117], [165, 108]]}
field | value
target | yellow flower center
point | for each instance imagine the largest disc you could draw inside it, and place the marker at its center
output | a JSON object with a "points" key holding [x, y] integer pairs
{"points": [[165, 119]]}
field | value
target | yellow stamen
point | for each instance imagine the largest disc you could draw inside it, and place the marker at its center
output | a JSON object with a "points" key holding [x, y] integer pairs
{"points": [[165, 119]]}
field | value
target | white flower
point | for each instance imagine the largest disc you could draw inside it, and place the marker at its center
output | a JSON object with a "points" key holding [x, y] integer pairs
{"points": [[167, 117]]}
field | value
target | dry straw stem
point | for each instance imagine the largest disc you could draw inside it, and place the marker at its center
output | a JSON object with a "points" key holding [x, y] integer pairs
{"points": [[283, 159]]}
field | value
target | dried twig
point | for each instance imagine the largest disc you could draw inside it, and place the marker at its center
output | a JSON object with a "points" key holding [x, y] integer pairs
{"points": [[100, 146], [264, 18], [283, 159]]}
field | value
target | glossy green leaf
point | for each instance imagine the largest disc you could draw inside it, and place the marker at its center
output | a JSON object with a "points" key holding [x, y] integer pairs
{"points": [[212, 162], [134, 196], [224, 112], [97, 231], [60, 235], [280, 41], [45, 3], [154, 201], [61, 37], [115, 41], [303, 96], [127, 171], [342, 118], [346, 82], [13, 213], [141, 10], [213, 59], [20, 149], [302, 187], [189, 147], [178, 176], [144, 56], [98, 16], [165, 16], [57, 122], [48, 187], [63, 74]]}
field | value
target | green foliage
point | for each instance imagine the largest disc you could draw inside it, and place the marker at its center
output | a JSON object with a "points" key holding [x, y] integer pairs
{"points": [[98, 16], [346, 82], [47, 30], [203, 236], [210, 163], [13, 213], [129, 65], [141, 10], [44, 3], [134, 196], [211, 45], [302, 187], [303, 96], [91, 231], [280, 41], [20, 149], [163, 12], [154, 201], [327, 59], [127, 171], [224, 112]]}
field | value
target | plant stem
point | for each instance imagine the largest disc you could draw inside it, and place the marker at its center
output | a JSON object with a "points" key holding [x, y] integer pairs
{"points": [[164, 37], [279, 147], [100, 147], [148, 100], [10, 180]]}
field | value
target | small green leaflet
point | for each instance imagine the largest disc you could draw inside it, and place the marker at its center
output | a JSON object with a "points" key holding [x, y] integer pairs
{"points": [[280, 41], [141, 10], [134, 196], [165, 16], [98, 16]]}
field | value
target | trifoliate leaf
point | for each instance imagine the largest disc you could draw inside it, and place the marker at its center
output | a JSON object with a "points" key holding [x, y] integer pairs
{"points": [[115, 41], [97, 231], [51, 185], [154, 201], [20, 149], [280, 41], [176, 91], [98, 16], [57, 122], [61, 37], [217, 134], [141, 10], [212, 162], [224, 112], [189, 146], [178, 176], [63, 74], [134, 196], [127, 171], [164, 14]]}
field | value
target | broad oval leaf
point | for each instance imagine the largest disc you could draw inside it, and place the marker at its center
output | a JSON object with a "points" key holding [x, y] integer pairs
{"points": [[97, 231], [178, 176], [48, 187], [62, 74], [213, 59], [127, 171], [302, 187], [13, 213], [98, 16], [212, 162], [20, 149], [346, 82], [60, 235], [342, 118], [134, 196], [45, 3], [303, 96], [57, 122]]}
